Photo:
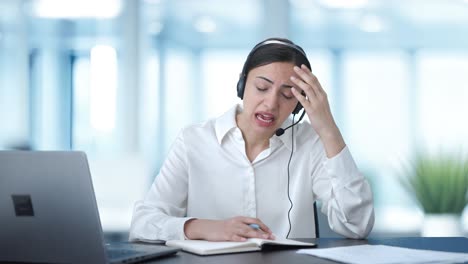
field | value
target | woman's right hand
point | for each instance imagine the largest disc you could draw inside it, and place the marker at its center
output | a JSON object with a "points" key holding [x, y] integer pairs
{"points": [[232, 229]]}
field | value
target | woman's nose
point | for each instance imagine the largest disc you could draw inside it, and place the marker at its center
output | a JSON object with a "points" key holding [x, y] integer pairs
{"points": [[271, 100]]}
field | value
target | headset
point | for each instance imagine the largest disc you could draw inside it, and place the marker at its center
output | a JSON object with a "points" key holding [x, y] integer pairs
{"points": [[243, 76]]}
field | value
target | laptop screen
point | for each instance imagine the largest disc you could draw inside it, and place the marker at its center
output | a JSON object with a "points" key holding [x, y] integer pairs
{"points": [[48, 209]]}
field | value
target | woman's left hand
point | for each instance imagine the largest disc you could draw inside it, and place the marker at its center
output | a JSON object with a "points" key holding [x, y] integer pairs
{"points": [[315, 103]]}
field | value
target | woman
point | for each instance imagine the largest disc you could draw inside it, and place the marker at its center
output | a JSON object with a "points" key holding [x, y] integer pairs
{"points": [[224, 175]]}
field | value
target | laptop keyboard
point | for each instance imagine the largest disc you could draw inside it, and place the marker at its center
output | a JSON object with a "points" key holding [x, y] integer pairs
{"points": [[121, 253], [130, 253]]}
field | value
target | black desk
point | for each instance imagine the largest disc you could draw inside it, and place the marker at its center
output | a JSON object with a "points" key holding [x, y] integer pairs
{"points": [[452, 244]]}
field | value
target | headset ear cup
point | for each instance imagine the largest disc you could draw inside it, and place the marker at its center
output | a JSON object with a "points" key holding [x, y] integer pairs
{"points": [[298, 106], [241, 87], [297, 109]]}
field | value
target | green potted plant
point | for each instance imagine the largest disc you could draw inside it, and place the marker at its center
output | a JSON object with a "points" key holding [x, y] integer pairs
{"points": [[439, 184]]}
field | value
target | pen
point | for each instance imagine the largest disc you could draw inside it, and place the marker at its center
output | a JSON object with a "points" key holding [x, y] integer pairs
{"points": [[255, 226]]}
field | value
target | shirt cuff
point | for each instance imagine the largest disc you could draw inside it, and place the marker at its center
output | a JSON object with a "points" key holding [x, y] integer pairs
{"points": [[177, 227], [185, 221]]}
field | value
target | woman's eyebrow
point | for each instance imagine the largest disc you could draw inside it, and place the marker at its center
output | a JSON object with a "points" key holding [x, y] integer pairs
{"points": [[265, 78], [270, 81]]}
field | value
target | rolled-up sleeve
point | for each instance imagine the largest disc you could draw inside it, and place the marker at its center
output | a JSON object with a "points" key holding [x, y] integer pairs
{"points": [[345, 195], [162, 213]]}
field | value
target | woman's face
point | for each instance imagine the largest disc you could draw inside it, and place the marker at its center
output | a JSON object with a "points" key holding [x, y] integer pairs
{"points": [[268, 99]]}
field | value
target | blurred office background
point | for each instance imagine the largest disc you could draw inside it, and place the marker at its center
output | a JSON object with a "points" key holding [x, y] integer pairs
{"points": [[119, 78]]}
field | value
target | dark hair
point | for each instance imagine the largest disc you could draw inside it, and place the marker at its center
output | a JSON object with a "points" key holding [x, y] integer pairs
{"points": [[263, 54]]}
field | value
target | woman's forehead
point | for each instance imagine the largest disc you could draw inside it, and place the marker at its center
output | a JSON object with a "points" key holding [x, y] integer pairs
{"points": [[278, 67]]}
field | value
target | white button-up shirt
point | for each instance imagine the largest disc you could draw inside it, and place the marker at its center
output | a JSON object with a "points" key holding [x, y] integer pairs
{"points": [[207, 175]]}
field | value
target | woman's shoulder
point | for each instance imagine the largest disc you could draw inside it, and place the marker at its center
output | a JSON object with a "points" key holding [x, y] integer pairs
{"points": [[201, 129], [208, 128]]}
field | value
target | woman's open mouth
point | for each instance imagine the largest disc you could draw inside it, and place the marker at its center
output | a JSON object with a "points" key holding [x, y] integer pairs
{"points": [[264, 119]]}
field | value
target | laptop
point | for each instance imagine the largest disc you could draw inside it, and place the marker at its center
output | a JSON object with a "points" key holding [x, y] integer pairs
{"points": [[49, 214]]}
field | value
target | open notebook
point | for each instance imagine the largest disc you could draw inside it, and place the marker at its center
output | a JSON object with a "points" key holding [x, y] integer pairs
{"points": [[203, 247]]}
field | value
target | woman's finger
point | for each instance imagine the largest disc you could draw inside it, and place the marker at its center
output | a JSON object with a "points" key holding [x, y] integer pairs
{"points": [[310, 93], [257, 223], [304, 74], [256, 228], [314, 78], [309, 78], [237, 238], [300, 97]]}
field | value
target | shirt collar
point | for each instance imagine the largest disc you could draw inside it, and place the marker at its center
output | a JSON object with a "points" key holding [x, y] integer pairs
{"points": [[286, 137], [227, 122]]}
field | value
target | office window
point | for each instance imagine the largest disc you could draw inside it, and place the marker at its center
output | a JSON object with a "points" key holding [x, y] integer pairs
{"points": [[103, 87], [377, 106], [180, 106], [14, 110], [50, 97], [94, 95], [8, 103], [377, 111], [82, 134], [220, 71], [149, 107], [443, 97]]}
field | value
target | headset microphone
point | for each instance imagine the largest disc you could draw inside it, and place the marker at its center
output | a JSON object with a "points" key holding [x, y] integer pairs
{"points": [[280, 131]]}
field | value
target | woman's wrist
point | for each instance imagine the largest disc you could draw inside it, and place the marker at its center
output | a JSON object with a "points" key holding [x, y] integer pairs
{"points": [[333, 142], [191, 229]]}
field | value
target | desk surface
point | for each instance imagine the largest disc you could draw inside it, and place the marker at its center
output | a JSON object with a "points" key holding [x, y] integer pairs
{"points": [[452, 244]]}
